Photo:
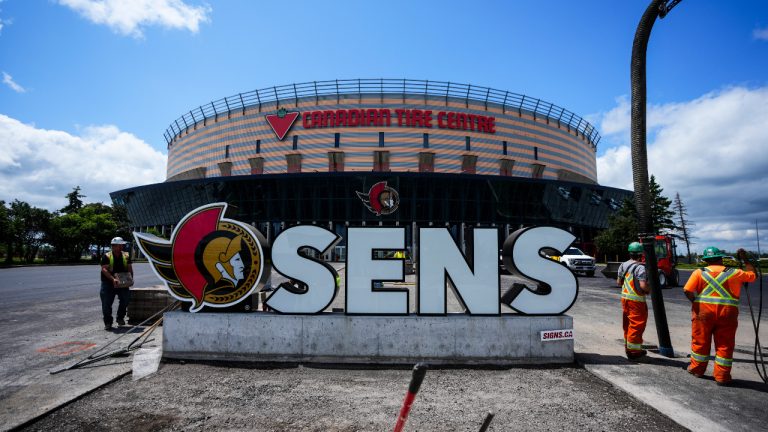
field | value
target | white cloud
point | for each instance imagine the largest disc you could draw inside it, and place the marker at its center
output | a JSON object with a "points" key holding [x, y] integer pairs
{"points": [[41, 166], [711, 150], [128, 17], [760, 33], [8, 80], [2, 21]]}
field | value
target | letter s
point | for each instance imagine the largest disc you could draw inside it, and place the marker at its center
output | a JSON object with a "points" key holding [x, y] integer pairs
{"points": [[556, 286], [319, 277]]}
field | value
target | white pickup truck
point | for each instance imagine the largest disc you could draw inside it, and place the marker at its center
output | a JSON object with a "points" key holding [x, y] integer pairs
{"points": [[578, 261]]}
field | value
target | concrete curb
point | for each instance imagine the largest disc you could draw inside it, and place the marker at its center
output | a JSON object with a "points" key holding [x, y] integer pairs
{"points": [[66, 402], [337, 338]]}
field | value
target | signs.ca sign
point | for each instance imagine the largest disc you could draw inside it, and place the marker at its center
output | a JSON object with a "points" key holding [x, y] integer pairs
{"points": [[214, 261]]}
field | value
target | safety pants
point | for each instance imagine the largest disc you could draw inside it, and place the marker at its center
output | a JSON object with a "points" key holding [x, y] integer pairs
{"points": [[107, 294], [718, 322], [634, 319]]}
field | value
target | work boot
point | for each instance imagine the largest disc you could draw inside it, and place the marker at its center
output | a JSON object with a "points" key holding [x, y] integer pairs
{"points": [[636, 354], [108, 327], [688, 369], [120, 322], [724, 383]]}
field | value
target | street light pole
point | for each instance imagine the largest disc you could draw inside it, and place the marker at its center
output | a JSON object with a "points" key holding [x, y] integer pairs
{"points": [[657, 8]]}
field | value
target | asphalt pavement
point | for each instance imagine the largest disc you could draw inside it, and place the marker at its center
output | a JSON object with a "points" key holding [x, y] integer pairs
{"points": [[661, 382], [52, 317]]}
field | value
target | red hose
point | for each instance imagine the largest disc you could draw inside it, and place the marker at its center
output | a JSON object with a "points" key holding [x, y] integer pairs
{"points": [[419, 371]]}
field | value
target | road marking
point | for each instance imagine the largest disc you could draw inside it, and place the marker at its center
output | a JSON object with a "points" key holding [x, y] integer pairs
{"points": [[67, 348]]}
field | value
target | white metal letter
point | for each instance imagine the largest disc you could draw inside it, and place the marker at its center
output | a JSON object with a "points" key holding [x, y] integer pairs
{"points": [[557, 287], [362, 270], [476, 286], [319, 277]]}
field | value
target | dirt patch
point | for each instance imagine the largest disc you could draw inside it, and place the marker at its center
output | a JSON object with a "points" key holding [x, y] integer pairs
{"points": [[204, 397]]}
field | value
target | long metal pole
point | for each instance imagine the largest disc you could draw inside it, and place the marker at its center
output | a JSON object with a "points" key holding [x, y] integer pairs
{"points": [[640, 172]]}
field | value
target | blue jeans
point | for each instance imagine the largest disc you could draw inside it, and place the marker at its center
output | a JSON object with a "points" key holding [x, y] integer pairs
{"points": [[107, 294]]}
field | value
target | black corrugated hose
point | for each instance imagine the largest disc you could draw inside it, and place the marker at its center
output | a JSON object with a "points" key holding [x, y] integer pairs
{"points": [[758, 352], [640, 169]]}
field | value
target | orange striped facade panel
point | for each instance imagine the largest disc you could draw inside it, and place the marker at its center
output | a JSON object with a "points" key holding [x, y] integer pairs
{"points": [[237, 137]]}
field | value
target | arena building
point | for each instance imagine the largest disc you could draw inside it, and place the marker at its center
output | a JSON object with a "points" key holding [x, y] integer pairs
{"points": [[382, 152]]}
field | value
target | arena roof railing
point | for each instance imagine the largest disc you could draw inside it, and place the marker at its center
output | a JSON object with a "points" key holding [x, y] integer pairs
{"points": [[405, 87]]}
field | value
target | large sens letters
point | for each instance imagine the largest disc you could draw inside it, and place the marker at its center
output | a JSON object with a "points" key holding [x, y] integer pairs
{"points": [[441, 264]]}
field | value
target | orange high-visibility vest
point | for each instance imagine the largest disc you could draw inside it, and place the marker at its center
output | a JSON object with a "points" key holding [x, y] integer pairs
{"points": [[715, 292]]}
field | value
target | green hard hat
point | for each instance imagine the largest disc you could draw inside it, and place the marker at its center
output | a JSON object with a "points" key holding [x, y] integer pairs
{"points": [[711, 253], [635, 247]]}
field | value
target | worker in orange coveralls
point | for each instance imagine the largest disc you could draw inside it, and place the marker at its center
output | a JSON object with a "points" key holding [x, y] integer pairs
{"points": [[714, 293], [633, 282]]}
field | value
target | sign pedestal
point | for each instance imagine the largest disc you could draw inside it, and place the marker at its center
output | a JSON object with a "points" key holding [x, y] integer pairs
{"points": [[337, 338]]}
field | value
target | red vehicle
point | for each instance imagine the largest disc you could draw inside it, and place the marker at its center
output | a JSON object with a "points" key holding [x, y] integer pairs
{"points": [[667, 260]]}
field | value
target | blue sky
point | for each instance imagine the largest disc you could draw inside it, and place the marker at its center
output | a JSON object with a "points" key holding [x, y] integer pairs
{"points": [[93, 84]]}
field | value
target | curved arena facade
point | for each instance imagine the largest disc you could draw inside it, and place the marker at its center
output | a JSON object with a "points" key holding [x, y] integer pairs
{"points": [[452, 155]]}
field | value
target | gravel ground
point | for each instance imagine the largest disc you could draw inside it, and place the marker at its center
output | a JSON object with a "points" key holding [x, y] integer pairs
{"points": [[196, 396]]}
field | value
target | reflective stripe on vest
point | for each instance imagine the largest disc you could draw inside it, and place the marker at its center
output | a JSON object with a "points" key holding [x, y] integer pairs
{"points": [[716, 285], [112, 260], [628, 289]]}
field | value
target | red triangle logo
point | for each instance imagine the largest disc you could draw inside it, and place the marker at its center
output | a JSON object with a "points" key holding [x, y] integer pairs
{"points": [[281, 122]]}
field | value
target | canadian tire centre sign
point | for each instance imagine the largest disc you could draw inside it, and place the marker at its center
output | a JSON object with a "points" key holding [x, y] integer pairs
{"points": [[214, 261], [282, 121]]}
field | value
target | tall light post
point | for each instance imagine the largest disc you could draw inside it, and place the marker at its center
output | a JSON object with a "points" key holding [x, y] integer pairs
{"points": [[657, 8]]}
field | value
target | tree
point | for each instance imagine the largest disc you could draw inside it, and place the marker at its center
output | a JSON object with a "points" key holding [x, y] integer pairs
{"points": [[684, 225], [65, 237], [98, 225], [5, 226], [29, 226], [73, 233], [660, 209], [623, 226], [75, 201], [123, 223], [622, 230]]}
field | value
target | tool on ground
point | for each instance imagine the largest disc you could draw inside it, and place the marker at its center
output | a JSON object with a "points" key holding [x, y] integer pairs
{"points": [[487, 421], [134, 345], [419, 371]]}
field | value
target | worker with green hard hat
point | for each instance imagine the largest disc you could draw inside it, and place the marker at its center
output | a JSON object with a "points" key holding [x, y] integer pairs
{"points": [[711, 253], [633, 281], [714, 294]]}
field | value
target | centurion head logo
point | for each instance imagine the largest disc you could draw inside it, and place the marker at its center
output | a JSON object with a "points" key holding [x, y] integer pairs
{"points": [[209, 260], [281, 122], [380, 199]]}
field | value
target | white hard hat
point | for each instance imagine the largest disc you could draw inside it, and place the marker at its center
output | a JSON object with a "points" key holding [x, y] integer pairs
{"points": [[118, 241]]}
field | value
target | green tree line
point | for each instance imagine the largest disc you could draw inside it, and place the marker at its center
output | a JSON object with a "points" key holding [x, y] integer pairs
{"points": [[623, 226], [28, 232]]}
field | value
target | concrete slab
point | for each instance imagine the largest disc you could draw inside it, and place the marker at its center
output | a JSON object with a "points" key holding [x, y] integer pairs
{"points": [[50, 317], [333, 337], [661, 382], [33, 391]]}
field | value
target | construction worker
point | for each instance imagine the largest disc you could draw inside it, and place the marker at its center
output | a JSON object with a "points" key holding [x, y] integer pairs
{"points": [[634, 286], [113, 262], [714, 294]]}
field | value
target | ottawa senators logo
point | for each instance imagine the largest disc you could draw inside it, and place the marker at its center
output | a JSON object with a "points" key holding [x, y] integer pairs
{"points": [[380, 199], [209, 260]]}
